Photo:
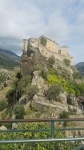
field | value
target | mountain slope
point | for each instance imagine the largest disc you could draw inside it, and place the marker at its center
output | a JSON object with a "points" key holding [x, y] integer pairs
{"points": [[8, 59], [80, 67]]}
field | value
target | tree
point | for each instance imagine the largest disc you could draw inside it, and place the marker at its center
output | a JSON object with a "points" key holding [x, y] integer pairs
{"points": [[53, 91], [33, 89], [18, 75], [51, 60], [67, 62], [19, 111], [43, 41], [3, 104]]}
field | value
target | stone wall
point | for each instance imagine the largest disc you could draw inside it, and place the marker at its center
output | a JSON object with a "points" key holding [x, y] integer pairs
{"points": [[51, 45], [46, 52]]}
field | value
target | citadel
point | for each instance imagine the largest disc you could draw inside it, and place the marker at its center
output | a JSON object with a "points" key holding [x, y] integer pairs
{"points": [[48, 48]]}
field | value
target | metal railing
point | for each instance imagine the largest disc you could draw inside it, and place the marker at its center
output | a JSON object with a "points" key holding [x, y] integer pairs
{"points": [[53, 125]]}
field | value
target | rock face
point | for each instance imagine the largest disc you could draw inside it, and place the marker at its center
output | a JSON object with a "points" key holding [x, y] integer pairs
{"points": [[63, 98], [39, 81], [33, 59]]}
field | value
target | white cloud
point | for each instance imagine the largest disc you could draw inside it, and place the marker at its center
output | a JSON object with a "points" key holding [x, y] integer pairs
{"points": [[61, 20]]}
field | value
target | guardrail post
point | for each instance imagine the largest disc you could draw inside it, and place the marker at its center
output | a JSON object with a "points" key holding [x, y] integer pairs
{"points": [[52, 129]]}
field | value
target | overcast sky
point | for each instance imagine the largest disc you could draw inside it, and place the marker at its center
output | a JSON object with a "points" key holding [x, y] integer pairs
{"points": [[60, 20]]}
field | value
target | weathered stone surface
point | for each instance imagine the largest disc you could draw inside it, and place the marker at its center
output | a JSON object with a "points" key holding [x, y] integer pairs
{"points": [[23, 99], [72, 100], [14, 125], [3, 127], [63, 98], [35, 98], [39, 81]]}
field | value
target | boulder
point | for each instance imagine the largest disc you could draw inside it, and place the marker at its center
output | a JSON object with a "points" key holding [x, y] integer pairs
{"points": [[14, 125], [3, 127], [62, 97]]}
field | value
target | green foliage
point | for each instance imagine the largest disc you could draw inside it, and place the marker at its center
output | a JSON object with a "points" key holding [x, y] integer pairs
{"points": [[67, 62], [10, 95], [43, 41], [64, 114], [18, 75], [67, 86], [52, 71], [51, 60], [36, 135], [32, 90], [19, 111], [53, 91], [77, 75], [2, 79], [8, 63], [3, 104], [44, 74], [25, 81]]}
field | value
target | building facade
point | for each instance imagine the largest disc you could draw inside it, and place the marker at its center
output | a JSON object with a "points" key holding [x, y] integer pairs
{"points": [[50, 48]]}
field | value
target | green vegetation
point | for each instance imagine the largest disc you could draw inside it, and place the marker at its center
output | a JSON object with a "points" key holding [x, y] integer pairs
{"points": [[3, 104], [64, 114], [77, 75], [8, 63], [51, 60], [2, 79], [11, 96], [53, 91], [68, 86], [18, 75], [43, 41], [44, 74], [66, 62], [32, 90], [36, 135], [19, 111], [24, 82]]}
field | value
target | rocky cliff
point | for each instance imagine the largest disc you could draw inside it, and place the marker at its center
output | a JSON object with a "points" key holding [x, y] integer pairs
{"points": [[44, 74]]}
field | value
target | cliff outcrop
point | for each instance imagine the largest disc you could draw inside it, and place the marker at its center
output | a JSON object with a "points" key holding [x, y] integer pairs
{"points": [[56, 72]]}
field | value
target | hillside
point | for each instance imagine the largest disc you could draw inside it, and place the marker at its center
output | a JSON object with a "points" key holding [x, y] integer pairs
{"points": [[80, 67], [8, 59]]}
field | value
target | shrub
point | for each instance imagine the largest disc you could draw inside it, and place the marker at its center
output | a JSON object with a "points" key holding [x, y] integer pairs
{"points": [[24, 81], [10, 93], [43, 41], [10, 96], [64, 114], [77, 75], [51, 60], [66, 62], [3, 104], [18, 75], [44, 74], [19, 111], [33, 89], [53, 91]]}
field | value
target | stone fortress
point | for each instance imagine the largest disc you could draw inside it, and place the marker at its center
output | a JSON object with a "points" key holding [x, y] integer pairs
{"points": [[47, 50]]}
